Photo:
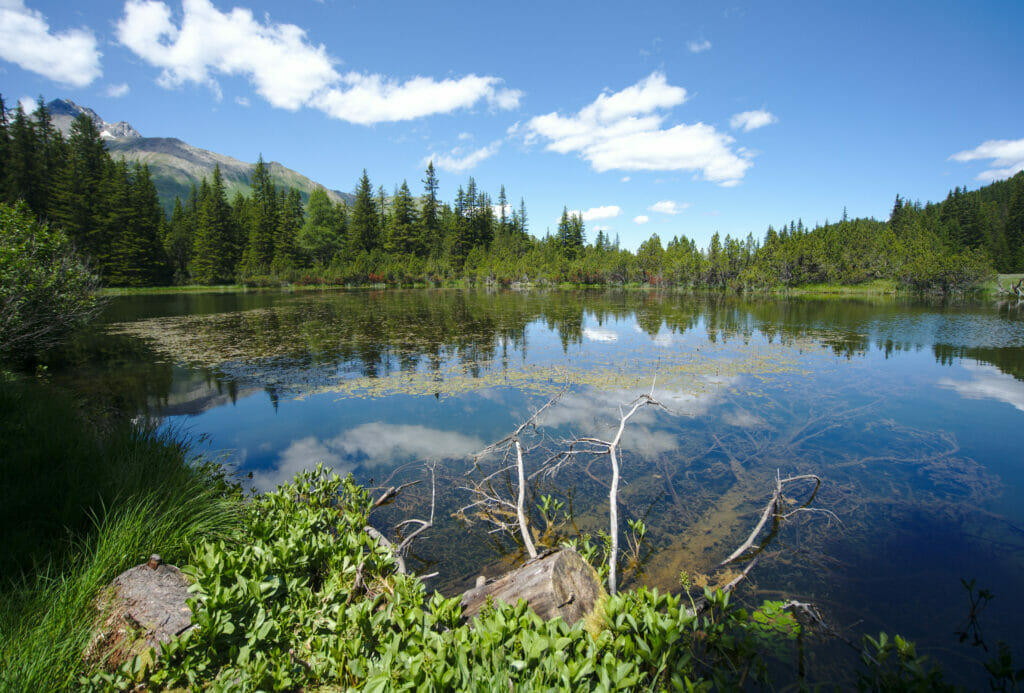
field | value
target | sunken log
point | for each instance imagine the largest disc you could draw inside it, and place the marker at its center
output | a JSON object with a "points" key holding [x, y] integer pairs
{"points": [[554, 584]]}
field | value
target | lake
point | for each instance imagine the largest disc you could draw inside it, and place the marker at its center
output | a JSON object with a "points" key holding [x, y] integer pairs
{"points": [[912, 414]]}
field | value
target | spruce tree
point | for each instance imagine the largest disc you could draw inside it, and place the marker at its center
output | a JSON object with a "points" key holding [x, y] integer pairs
{"points": [[290, 219], [23, 169], [76, 200], [401, 234], [321, 235], [430, 226], [178, 242], [364, 234], [263, 229], [212, 249]]}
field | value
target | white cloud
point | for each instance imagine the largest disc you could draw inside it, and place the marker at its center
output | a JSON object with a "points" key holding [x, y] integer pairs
{"points": [[625, 179], [600, 334], [69, 57], [699, 46], [284, 68], [497, 210], [1006, 155], [642, 219], [459, 161], [369, 445], [594, 213], [116, 91], [301, 455], [28, 104], [242, 101], [386, 443], [752, 120], [668, 207], [369, 99], [623, 131], [743, 419], [594, 412], [988, 382], [465, 136]]}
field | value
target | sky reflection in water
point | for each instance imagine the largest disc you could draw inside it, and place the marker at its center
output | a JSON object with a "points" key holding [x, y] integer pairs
{"points": [[913, 413]]}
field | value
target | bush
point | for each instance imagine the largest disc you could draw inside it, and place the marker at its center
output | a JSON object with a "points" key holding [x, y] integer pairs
{"points": [[46, 290]]}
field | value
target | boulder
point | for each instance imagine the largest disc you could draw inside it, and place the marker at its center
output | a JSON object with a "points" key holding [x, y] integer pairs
{"points": [[141, 608]]}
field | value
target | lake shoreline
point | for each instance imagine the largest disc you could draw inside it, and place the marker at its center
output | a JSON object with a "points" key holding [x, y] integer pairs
{"points": [[880, 287]]}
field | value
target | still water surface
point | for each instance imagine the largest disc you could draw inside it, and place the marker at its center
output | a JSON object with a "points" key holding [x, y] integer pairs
{"points": [[912, 413]]}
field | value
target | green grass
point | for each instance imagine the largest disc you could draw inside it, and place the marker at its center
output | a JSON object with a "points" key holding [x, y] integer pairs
{"points": [[1002, 281], [79, 505], [189, 289], [872, 288]]}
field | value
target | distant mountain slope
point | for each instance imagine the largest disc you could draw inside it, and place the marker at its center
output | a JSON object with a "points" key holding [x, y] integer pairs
{"points": [[175, 165]]}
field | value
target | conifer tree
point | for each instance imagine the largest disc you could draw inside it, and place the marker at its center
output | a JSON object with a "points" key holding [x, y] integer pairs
{"points": [[5, 137], [290, 218], [76, 199], [211, 253], [322, 234], [401, 236], [429, 226], [178, 242], [24, 165], [259, 252], [364, 234]]}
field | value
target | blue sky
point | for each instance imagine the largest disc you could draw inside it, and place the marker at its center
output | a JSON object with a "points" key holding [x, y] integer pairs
{"points": [[668, 118]]}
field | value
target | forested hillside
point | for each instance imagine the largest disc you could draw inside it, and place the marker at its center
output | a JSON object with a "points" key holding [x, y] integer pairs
{"points": [[111, 212]]}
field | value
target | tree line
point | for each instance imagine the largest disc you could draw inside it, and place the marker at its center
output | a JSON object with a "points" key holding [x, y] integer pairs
{"points": [[111, 212]]}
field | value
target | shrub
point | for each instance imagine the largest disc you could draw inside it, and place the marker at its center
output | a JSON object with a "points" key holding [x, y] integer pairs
{"points": [[46, 289]]}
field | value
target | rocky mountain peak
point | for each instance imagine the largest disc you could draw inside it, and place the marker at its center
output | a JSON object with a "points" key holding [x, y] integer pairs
{"points": [[64, 111]]}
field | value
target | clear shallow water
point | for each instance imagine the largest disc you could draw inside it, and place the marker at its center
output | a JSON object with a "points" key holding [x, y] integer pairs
{"points": [[912, 413]]}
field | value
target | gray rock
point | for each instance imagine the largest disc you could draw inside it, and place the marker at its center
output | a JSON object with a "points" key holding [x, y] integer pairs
{"points": [[143, 607]]}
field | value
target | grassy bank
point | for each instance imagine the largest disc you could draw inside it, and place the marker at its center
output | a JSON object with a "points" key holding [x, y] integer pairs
{"points": [[873, 288], [79, 504], [1002, 281]]}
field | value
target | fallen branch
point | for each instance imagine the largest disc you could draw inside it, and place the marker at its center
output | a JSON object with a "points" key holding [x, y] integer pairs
{"points": [[389, 495], [494, 505]]}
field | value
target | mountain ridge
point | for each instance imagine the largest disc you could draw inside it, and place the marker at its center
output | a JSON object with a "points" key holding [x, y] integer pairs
{"points": [[175, 165]]}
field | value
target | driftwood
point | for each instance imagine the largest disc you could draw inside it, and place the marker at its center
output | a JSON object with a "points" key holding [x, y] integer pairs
{"points": [[555, 584]]}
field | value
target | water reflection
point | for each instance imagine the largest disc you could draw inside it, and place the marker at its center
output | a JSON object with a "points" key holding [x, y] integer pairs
{"points": [[987, 382], [911, 412]]}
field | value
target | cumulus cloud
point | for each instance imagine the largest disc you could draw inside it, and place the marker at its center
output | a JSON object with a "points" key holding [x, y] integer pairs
{"points": [[368, 99], [593, 412], [1007, 158], [595, 213], [668, 207], [384, 443], [624, 131], [459, 160], [743, 419], [642, 219], [988, 382], [497, 210], [285, 68], [752, 120], [300, 455], [699, 46], [116, 91], [368, 445], [70, 57], [600, 334]]}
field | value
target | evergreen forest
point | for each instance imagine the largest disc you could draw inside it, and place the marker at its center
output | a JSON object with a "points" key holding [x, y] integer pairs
{"points": [[111, 212]]}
